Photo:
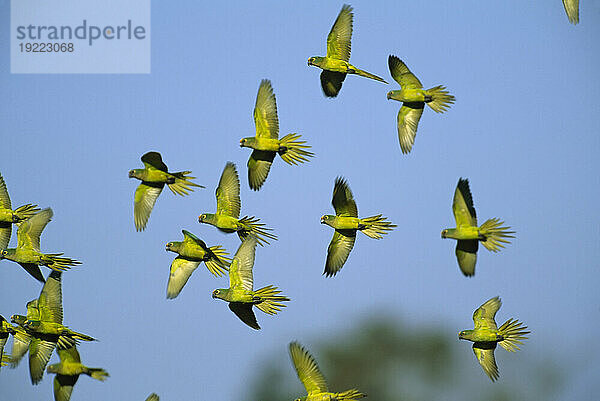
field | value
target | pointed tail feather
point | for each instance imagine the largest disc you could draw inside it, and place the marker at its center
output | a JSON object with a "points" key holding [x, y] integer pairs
{"points": [[97, 373], [294, 151], [349, 395], [441, 99], [58, 263], [495, 234], [513, 332], [219, 263], [367, 75], [272, 303], [257, 229], [26, 211], [183, 184], [376, 226], [77, 336]]}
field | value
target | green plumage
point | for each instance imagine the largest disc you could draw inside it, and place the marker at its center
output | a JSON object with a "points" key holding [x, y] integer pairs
{"points": [[229, 204], [486, 335], [8, 216], [241, 295], [572, 10], [413, 98], [336, 64], [154, 176], [346, 223], [313, 380], [191, 252], [28, 254], [266, 142], [491, 234]]}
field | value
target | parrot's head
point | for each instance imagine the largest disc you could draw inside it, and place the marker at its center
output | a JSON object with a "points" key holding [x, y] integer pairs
{"points": [[449, 233], [465, 335], [173, 246], [395, 95], [316, 61], [247, 142], [444, 233], [205, 218], [221, 293], [327, 219], [135, 173], [31, 324], [18, 319], [6, 253]]}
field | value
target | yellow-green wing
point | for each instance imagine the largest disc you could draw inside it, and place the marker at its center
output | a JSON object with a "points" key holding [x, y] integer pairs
{"points": [[462, 205], [483, 317], [29, 232], [466, 254], [20, 346], [572, 9], [245, 313], [5, 227], [63, 387], [153, 397], [342, 200], [307, 370], [40, 351], [402, 74], [228, 192], [69, 354], [4, 198], [181, 270], [340, 36], [50, 300], [338, 251], [265, 112], [240, 271], [408, 122], [487, 360], [143, 203], [259, 165], [331, 82], [153, 160]]}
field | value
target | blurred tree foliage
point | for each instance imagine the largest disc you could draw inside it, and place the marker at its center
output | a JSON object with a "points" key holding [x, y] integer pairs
{"points": [[390, 362]]}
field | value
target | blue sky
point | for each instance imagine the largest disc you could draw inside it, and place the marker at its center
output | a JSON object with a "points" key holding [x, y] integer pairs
{"points": [[524, 130]]}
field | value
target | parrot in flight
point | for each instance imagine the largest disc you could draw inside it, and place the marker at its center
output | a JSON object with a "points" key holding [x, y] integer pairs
{"points": [[336, 64], [266, 143], [240, 295], [28, 254], [191, 252], [153, 177], [413, 98], [227, 216], [346, 223], [487, 335], [313, 380], [491, 234]]}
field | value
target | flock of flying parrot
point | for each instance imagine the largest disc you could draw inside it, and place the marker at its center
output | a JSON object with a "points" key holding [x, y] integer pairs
{"points": [[41, 330]]}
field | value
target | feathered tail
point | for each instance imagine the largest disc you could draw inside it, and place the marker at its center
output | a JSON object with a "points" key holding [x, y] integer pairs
{"points": [[219, 263], [495, 234], [366, 75], [257, 229], [26, 211], [271, 303], [294, 151], [513, 332], [75, 336], [183, 184], [97, 373], [55, 262], [349, 395], [376, 226], [441, 99]]}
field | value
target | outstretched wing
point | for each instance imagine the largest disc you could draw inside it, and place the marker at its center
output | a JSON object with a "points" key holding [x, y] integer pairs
{"points": [[402, 74], [181, 270], [331, 82], [340, 36], [245, 313], [487, 360], [143, 202], [466, 254], [40, 351], [408, 122], [342, 200], [240, 271], [29, 232], [338, 251], [307, 370], [5, 227], [572, 10], [265, 112], [63, 387], [462, 205], [228, 192], [259, 165], [483, 317], [50, 300], [153, 160]]}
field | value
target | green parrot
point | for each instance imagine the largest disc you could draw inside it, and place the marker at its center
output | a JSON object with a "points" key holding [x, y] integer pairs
{"points": [[491, 233], [8, 217], [572, 9], [5, 329], [21, 336], [191, 252], [413, 98], [154, 176], [336, 64], [240, 294], [486, 335], [266, 143], [68, 371], [46, 328], [313, 380], [27, 253], [228, 210], [153, 397], [346, 223]]}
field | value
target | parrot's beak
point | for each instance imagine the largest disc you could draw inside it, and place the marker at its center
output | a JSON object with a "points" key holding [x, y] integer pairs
{"points": [[131, 174], [241, 142], [443, 233], [389, 96], [322, 220]]}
